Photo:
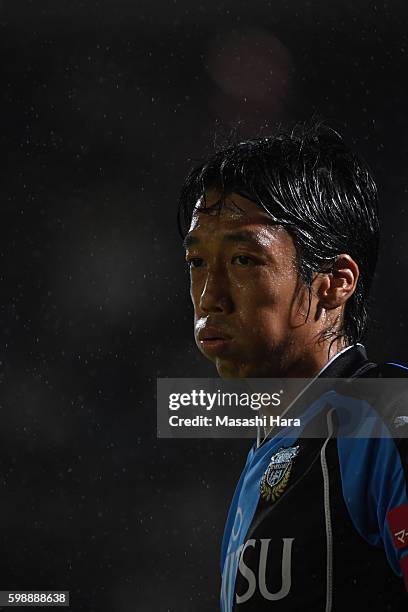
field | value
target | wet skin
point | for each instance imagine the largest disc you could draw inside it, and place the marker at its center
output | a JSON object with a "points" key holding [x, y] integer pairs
{"points": [[250, 305]]}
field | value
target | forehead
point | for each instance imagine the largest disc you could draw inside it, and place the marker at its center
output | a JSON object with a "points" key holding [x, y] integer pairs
{"points": [[233, 210], [213, 220]]}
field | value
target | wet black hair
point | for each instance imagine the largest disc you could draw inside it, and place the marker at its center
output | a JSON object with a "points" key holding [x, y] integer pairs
{"points": [[311, 183]]}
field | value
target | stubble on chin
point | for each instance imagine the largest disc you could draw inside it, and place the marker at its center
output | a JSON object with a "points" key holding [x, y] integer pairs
{"points": [[236, 370]]}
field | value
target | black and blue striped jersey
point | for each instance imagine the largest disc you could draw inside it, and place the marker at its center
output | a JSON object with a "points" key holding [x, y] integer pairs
{"points": [[321, 523]]}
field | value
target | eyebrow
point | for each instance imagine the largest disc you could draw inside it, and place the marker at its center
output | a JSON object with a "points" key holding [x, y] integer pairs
{"points": [[244, 236], [190, 240]]}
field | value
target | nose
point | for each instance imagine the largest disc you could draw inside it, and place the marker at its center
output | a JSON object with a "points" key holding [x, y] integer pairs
{"points": [[215, 295]]}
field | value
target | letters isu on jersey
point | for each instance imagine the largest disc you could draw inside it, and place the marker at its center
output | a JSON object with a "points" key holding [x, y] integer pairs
{"points": [[256, 576]]}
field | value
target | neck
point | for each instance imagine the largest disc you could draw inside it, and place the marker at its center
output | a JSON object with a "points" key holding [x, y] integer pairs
{"points": [[310, 362]]}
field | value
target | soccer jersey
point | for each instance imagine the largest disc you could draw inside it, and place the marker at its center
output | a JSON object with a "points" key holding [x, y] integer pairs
{"points": [[320, 523]]}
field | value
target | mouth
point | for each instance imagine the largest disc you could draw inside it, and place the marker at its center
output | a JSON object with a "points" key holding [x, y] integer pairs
{"points": [[213, 341]]}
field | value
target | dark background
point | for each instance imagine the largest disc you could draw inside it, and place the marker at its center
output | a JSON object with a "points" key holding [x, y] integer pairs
{"points": [[104, 105]]}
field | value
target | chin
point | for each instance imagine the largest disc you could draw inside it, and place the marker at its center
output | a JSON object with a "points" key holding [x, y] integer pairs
{"points": [[231, 370]]}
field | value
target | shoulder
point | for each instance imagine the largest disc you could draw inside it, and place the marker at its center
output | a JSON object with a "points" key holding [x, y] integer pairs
{"points": [[387, 369]]}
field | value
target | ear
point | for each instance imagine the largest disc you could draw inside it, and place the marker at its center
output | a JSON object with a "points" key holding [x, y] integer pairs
{"points": [[335, 287]]}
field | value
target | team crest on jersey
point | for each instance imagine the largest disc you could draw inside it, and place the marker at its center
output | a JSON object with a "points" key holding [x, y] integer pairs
{"points": [[276, 476]]}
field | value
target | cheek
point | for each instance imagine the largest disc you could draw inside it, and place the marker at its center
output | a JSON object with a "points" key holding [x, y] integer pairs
{"points": [[266, 306], [265, 324], [260, 295]]}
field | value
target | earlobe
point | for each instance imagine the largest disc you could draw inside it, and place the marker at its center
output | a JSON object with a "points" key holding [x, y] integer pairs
{"points": [[338, 285]]}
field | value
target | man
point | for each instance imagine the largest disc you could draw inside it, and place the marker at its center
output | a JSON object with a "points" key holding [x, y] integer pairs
{"points": [[281, 238]]}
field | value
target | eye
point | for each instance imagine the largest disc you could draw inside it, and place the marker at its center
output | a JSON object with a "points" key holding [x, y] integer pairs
{"points": [[242, 260], [195, 262]]}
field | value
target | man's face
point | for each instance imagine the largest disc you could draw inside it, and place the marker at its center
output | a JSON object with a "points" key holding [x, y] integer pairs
{"points": [[250, 307]]}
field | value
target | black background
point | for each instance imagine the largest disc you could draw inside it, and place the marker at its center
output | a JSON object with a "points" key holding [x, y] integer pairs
{"points": [[104, 107]]}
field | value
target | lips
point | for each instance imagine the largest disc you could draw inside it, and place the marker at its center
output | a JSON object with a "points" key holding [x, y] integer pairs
{"points": [[213, 340], [211, 333]]}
